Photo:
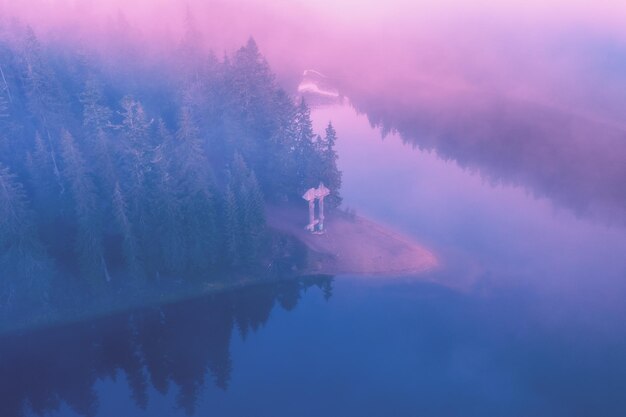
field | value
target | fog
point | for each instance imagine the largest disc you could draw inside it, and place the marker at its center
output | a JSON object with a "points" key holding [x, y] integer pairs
{"points": [[524, 93], [150, 148]]}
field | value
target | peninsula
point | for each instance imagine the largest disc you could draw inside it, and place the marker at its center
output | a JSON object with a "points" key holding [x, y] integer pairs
{"points": [[352, 245]]}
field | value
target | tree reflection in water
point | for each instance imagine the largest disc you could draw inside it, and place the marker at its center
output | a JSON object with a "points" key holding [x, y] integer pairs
{"points": [[179, 345]]}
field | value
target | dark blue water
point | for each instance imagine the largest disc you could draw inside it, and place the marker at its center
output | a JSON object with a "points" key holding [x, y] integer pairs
{"points": [[525, 317], [368, 350]]}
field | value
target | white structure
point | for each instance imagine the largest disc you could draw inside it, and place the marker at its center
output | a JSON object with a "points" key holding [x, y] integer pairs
{"points": [[311, 195]]}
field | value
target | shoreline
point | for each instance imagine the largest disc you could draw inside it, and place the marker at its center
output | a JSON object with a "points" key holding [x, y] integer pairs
{"points": [[353, 245], [146, 297]]}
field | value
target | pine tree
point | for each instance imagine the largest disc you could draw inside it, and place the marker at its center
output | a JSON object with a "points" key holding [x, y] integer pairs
{"points": [[135, 122], [331, 138], [97, 131], [195, 187], [108, 173], [331, 176], [279, 171], [252, 81], [166, 215], [45, 97], [232, 225], [45, 180], [85, 207], [6, 122], [254, 217], [4, 116], [24, 268], [124, 226], [134, 158], [247, 214], [4, 107], [16, 228], [41, 104], [96, 115], [192, 160], [250, 90], [305, 155], [5, 94]]}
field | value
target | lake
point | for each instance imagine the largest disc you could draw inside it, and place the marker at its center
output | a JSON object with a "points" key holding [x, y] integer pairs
{"points": [[523, 318]]}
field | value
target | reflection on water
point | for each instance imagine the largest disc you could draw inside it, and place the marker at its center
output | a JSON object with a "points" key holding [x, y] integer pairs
{"points": [[174, 347], [374, 349], [488, 232], [575, 159]]}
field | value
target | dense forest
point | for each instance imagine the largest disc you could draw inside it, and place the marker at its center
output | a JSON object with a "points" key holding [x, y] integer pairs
{"points": [[116, 173]]}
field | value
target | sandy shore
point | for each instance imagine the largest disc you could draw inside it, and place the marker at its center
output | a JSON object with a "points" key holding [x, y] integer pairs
{"points": [[353, 245]]}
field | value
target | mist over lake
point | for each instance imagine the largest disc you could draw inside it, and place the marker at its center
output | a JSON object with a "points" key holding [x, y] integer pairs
{"points": [[280, 208]]}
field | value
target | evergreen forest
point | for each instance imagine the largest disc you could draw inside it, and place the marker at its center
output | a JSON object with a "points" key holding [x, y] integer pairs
{"points": [[139, 175]]}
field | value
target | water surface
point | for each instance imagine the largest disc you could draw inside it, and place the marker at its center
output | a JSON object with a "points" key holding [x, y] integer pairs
{"points": [[524, 318]]}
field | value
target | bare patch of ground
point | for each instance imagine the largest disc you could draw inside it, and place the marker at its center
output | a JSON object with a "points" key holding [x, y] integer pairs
{"points": [[353, 245]]}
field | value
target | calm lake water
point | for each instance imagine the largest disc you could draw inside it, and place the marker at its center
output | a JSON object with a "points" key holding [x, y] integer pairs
{"points": [[524, 318]]}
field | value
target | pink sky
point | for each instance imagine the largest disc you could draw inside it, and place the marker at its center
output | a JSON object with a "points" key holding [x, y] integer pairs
{"points": [[522, 49]]}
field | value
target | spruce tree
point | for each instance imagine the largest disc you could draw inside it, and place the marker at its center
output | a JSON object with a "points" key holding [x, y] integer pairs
{"points": [[191, 158], [254, 217], [97, 131], [166, 214], [195, 188], [96, 115], [134, 155], [16, 227], [232, 226], [85, 208], [45, 97], [250, 90], [249, 211], [331, 175], [4, 117], [24, 267], [305, 156], [46, 183], [4, 108], [125, 228], [135, 145], [279, 171], [104, 161]]}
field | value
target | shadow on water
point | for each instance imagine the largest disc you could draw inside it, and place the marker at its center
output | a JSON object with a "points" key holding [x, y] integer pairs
{"points": [[178, 346]]}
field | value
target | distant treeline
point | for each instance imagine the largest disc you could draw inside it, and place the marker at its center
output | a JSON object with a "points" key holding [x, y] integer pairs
{"points": [[128, 174]]}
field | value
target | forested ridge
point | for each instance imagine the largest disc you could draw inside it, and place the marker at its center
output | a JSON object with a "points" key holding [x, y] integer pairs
{"points": [[136, 175]]}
